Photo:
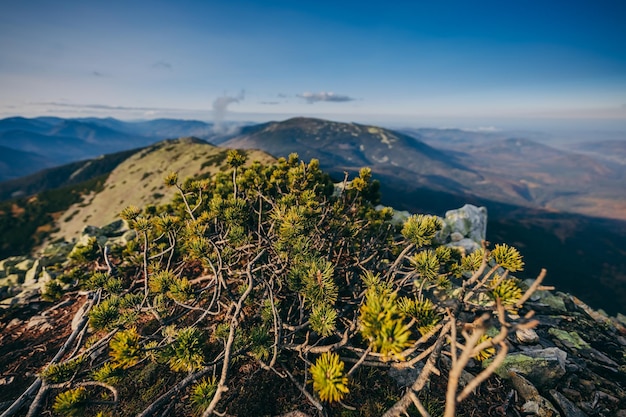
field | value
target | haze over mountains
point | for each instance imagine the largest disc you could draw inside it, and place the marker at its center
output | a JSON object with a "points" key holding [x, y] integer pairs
{"points": [[50, 141], [548, 201]]}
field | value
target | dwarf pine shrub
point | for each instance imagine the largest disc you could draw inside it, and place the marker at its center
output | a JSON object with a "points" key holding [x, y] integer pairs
{"points": [[271, 275]]}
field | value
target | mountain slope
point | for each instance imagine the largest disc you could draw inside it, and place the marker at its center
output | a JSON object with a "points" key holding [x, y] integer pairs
{"points": [[138, 181], [61, 176], [348, 147], [28, 162]]}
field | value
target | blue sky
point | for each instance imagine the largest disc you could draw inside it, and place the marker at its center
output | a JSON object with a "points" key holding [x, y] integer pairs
{"points": [[419, 62]]}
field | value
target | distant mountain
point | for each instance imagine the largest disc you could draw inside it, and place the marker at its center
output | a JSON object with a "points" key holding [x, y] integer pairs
{"points": [[612, 150], [60, 141], [28, 162], [24, 124], [350, 146], [61, 176], [523, 171], [55, 149]]}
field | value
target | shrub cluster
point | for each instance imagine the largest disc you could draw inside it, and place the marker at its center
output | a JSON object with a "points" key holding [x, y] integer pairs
{"points": [[273, 269]]}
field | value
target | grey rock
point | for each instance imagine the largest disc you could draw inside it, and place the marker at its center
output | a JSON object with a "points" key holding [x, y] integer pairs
{"points": [[527, 336], [32, 274], [25, 265], [569, 408], [55, 253], [39, 322], [405, 377], [542, 367], [540, 407], [469, 220], [456, 236], [467, 245], [114, 229]]}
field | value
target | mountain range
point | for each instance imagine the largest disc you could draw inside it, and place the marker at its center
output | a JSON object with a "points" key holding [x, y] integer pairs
{"points": [[564, 209], [51, 141]]}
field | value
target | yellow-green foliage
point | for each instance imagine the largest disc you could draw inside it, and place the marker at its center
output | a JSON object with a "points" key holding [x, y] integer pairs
{"points": [[382, 323], [487, 352], [507, 291], [323, 318], [202, 393], [124, 349], [423, 312], [507, 257], [320, 272], [61, 372], [421, 229], [107, 373], [426, 264], [71, 402], [328, 379], [106, 314], [185, 353]]}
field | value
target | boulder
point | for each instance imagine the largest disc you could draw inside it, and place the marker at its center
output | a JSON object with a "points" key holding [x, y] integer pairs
{"points": [[465, 228]]}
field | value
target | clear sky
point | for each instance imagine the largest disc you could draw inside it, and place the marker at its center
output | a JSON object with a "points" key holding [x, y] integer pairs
{"points": [[382, 61]]}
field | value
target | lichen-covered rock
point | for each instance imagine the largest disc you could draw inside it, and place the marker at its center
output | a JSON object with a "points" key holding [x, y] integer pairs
{"points": [[543, 367], [571, 340], [465, 228]]}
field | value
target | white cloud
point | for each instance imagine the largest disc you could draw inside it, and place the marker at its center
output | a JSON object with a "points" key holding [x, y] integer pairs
{"points": [[482, 129], [324, 96]]}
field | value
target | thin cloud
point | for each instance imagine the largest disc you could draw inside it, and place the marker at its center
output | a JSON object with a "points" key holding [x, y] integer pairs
{"points": [[97, 74], [162, 65], [103, 107], [482, 129], [269, 103], [324, 96]]}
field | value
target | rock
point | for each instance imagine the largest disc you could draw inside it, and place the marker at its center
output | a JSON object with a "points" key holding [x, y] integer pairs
{"points": [[569, 408], [523, 387], [25, 265], [32, 274], [467, 245], [470, 221], [55, 253], [527, 336], [6, 380], [543, 367], [621, 319], [571, 340], [456, 237], [540, 407], [8, 265], [114, 229]]}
